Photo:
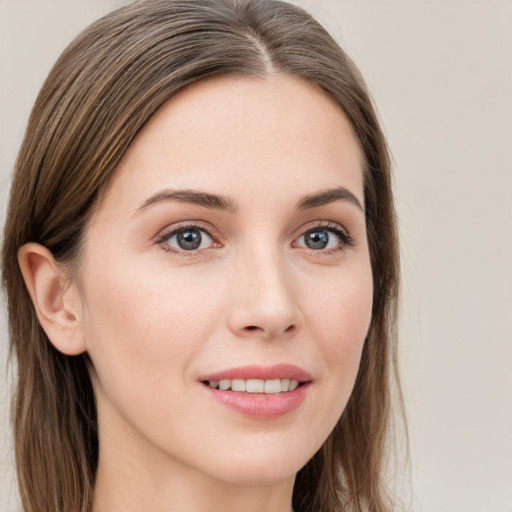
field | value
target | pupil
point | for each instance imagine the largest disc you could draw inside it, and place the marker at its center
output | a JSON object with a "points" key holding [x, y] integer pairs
{"points": [[317, 239], [189, 239]]}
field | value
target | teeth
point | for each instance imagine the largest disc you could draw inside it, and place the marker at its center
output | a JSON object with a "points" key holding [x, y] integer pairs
{"points": [[238, 385], [272, 386], [224, 385], [255, 386]]}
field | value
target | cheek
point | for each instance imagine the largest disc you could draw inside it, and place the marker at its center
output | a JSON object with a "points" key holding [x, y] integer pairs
{"points": [[134, 320], [340, 315], [342, 309]]}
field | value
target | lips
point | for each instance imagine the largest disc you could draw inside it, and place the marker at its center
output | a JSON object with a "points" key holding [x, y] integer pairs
{"points": [[278, 371], [259, 392]]}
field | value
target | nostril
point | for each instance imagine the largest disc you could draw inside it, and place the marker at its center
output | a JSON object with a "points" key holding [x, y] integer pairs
{"points": [[250, 328]]}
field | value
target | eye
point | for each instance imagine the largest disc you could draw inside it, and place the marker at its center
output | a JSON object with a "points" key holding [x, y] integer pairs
{"points": [[319, 239], [327, 238], [187, 239]]}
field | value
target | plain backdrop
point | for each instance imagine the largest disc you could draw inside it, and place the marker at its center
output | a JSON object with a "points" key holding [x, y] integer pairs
{"points": [[441, 75]]}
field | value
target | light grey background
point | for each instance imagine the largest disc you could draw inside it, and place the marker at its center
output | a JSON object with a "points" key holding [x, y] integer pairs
{"points": [[441, 74]]}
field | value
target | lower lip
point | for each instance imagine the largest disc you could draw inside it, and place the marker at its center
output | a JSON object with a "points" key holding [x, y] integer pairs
{"points": [[260, 405]]}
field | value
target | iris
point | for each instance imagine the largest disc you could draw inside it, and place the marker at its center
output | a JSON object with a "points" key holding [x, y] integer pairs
{"points": [[189, 239], [316, 239]]}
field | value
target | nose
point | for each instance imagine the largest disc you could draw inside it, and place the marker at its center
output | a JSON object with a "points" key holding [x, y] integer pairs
{"points": [[264, 302]]}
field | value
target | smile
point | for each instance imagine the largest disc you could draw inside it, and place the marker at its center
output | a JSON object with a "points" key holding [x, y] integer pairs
{"points": [[272, 386], [262, 393]]}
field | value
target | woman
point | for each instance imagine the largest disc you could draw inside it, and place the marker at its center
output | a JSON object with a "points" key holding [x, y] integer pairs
{"points": [[200, 260]]}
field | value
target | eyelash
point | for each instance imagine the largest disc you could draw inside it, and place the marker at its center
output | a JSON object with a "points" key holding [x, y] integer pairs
{"points": [[345, 238]]}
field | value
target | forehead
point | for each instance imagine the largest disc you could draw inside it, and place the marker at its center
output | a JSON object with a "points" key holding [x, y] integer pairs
{"points": [[265, 135]]}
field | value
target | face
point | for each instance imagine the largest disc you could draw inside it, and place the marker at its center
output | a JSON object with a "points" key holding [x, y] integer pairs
{"points": [[225, 283]]}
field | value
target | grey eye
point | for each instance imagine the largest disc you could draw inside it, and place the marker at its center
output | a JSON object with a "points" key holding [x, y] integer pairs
{"points": [[320, 238], [189, 239], [316, 239]]}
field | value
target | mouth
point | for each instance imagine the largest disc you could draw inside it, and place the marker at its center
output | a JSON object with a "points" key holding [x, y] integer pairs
{"points": [[259, 392], [271, 386]]}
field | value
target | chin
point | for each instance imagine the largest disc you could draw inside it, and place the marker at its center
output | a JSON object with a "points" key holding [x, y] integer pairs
{"points": [[263, 466], [258, 474]]}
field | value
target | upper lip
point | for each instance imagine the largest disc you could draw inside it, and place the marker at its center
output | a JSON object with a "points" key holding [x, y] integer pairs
{"points": [[278, 371]]}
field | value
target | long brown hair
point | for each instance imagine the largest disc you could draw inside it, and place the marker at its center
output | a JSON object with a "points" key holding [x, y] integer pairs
{"points": [[105, 86]]}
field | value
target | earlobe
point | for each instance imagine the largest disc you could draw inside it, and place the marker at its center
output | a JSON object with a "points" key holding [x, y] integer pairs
{"points": [[56, 304]]}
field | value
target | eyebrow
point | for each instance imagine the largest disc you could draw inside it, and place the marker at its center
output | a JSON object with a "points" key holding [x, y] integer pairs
{"points": [[327, 197], [219, 202], [205, 199]]}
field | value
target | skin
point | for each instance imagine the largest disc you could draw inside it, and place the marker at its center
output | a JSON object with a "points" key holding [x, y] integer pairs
{"points": [[153, 317]]}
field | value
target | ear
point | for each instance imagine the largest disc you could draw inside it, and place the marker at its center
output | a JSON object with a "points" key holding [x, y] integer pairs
{"points": [[56, 302]]}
